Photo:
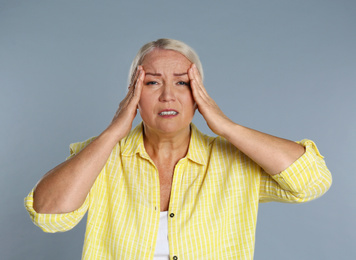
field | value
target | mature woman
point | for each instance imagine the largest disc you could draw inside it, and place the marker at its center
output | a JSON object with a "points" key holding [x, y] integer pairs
{"points": [[164, 190]]}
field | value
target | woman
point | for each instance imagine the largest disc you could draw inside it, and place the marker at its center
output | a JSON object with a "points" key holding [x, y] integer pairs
{"points": [[164, 190]]}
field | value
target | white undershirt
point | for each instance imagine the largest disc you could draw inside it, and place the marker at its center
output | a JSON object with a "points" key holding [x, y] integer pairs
{"points": [[162, 246]]}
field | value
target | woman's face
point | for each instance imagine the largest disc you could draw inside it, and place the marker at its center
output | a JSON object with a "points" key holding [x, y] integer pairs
{"points": [[166, 104]]}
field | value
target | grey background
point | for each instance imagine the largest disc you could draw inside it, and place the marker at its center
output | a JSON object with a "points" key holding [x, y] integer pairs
{"points": [[283, 67]]}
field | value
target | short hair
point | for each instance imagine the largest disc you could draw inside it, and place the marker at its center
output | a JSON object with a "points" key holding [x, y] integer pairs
{"points": [[165, 44]]}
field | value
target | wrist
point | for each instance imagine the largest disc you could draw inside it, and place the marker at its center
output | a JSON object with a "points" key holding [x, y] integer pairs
{"points": [[113, 133], [225, 128]]}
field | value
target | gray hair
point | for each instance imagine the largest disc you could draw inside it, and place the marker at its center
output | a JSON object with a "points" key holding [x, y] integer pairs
{"points": [[165, 44]]}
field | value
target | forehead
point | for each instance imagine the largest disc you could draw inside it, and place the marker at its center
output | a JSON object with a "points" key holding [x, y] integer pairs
{"points": [[165, 60]]}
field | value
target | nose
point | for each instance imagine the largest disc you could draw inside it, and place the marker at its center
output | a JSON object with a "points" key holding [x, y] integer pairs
{"points": [[167, 94]]}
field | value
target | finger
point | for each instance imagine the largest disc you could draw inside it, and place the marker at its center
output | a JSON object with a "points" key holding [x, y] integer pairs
{"points": [[134, 95], [131, 92], [195, 76], [139, 85], [194, 86], [197, 86], [134, 80], [193, 73], [197, 73], [198, 78]]}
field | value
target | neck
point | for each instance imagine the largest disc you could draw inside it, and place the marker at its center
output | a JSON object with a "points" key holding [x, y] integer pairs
{"points": [[166, 145]]}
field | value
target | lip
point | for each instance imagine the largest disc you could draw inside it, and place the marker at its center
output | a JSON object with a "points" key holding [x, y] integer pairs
{"points": [[168, 110]]}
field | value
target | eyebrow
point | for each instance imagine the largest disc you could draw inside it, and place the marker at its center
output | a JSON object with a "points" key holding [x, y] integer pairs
{"points": [[159, 74], [153, 74]]}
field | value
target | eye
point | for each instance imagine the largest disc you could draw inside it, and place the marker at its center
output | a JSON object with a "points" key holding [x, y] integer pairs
{"points": [[151, 83], [183, 83]]}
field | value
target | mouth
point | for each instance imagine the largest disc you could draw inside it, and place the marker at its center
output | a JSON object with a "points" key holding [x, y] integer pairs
{"points": [[168, 113]]}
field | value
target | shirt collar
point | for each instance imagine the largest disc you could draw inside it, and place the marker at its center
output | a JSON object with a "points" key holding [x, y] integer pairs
{"points": [[133, 143], [197, 151], [198, 146]]}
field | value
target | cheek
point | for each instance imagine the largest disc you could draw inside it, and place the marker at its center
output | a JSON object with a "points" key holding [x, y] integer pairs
{"points": [[142, 106], [189, 102], [190, 99]]}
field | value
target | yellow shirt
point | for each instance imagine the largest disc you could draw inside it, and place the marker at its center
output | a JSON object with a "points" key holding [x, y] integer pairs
{"points": [[213, 205]]}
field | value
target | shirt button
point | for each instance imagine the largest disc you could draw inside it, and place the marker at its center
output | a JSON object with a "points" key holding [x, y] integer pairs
{"points": [[172, 215], [175, 257]]}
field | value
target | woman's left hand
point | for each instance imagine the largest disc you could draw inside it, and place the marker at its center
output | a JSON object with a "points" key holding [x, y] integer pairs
{"points": [[273, 154], [217, 121]]}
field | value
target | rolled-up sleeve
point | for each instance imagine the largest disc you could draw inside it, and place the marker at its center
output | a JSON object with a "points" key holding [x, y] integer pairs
{"points": [[52, 223], [306, 179]]}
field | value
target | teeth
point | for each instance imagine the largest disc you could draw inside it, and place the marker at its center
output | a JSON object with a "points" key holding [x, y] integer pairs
{"points": [[166, 113]]}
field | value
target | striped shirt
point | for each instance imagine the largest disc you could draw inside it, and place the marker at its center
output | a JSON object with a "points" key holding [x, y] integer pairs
{"points": [[213, 204]]}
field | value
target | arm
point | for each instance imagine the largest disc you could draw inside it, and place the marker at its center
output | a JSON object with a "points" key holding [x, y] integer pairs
{"points": [[65, 188], [271, 153], [306, 179], [293, 172]]}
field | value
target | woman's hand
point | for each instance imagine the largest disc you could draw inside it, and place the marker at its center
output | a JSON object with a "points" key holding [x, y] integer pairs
{"points": [[217, 121], [126, 113], [64, 188], [273, 154]]}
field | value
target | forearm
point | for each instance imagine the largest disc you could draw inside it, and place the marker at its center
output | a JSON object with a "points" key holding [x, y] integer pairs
{"points": [[272, 153], [64, 188]]}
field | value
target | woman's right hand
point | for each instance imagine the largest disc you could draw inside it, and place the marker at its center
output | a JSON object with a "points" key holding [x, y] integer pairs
{"points": [[126, 113], [64, 188]]}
